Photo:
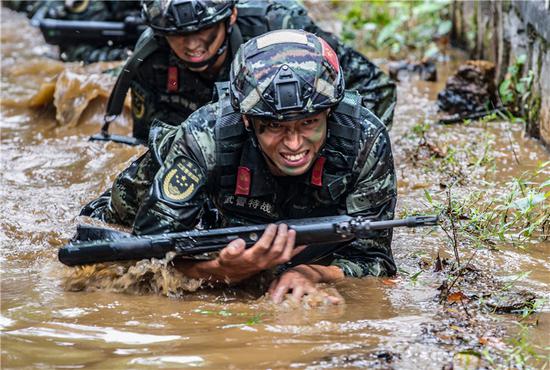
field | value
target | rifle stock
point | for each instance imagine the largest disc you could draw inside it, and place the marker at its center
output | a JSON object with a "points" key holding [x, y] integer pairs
{"points": [[310, 231]]}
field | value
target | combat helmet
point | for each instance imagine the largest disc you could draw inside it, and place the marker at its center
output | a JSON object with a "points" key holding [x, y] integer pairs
{"points": [[285, 75], [169, 17]]}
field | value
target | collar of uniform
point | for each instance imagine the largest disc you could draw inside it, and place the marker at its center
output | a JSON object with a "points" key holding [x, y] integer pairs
{"points": [[262, 181]]}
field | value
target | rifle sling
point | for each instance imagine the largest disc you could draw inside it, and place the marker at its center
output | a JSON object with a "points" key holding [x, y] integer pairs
{"points": [[235, 40], [118, 94]]}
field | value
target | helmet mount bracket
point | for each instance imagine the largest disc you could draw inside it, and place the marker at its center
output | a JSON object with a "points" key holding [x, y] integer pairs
{"points": [[287, 89], [183, 12]]}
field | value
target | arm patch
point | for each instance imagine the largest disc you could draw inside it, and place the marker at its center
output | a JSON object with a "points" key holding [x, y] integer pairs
{"points": [[182, 180]]}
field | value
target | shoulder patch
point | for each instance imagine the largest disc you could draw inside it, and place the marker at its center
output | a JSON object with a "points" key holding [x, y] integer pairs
{"points": [[138, 104], [182, 180]]}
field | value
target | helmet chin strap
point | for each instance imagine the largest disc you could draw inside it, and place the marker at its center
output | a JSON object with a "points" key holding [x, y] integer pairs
{"points": [[214, 58]]}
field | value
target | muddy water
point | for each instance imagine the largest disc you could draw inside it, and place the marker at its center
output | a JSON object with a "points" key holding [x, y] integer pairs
{"points": [[49, 170]]}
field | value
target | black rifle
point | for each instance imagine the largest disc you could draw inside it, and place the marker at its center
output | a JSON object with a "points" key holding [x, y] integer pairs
{"points": [[69, 32], [325, 233]]}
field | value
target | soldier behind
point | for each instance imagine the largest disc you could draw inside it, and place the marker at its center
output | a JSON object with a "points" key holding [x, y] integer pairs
{"points": [[286, 141], [190, 46], [102, 49]]}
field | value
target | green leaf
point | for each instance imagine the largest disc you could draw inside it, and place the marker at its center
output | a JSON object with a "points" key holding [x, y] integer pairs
{"points": [[444, 28], [429, 7], [505, 92], [529, 201], [521, 59], [432, 51], [521, 88], [386, 33], [415, 276], [428, 196]]}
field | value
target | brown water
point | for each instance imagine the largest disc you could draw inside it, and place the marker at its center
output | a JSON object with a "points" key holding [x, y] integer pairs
{"points": [[49, 170]]}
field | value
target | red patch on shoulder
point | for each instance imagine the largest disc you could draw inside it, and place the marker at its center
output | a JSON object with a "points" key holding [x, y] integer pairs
{"points": [[317, 172], [172, 84], [243, 181], [330, 55]]}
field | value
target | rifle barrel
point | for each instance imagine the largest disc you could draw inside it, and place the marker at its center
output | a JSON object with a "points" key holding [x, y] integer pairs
{"points": [[320, 230]]}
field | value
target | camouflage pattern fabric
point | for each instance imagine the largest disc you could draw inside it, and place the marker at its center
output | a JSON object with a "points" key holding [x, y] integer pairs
{"points": [[29, 7], [87, 10], [168, 188], [152, 99], [265, 64]]}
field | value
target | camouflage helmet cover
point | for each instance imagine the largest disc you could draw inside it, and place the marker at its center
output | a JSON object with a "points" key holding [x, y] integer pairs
{"points": [[284, 75], [184, 16]]}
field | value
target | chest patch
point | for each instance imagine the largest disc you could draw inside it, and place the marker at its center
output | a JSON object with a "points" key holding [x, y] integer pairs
{"points": [[182, 180], [250, 206]]}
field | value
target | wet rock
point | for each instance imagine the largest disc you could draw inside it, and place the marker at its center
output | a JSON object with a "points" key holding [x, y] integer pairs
{"points": [[466, 361], [426, 70], [510, 301], [371, 360], [472, 89]]}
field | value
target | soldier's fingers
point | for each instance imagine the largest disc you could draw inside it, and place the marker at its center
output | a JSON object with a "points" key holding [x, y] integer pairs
{"points": [[333, 299], [272, 287], [279, 292], [264, 243], [233, 250], [298, 292], [297, 250], [279, 244], [288, 251], [310, 288]]}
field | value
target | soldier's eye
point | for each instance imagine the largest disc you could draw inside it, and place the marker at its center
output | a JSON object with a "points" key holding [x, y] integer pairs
{"points": [[310, 122], [273, 125]]}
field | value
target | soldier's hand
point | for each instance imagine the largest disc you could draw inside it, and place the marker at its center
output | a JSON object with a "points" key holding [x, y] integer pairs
{"points": [[302, 280], [275, 247]]}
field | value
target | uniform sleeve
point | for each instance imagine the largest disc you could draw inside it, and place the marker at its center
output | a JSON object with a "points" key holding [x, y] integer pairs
{"points": [[177, 197], [374, 195], [376, 88]]}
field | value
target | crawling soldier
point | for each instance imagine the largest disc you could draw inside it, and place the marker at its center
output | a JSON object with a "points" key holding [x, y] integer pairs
{"points": [[284, 140]]}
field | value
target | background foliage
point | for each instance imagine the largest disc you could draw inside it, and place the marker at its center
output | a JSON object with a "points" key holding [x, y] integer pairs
{"points": [[415, 29]]}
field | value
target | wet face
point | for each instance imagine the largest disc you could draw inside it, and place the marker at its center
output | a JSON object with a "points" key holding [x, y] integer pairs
{"points": [[198, 46], [292, 146]]}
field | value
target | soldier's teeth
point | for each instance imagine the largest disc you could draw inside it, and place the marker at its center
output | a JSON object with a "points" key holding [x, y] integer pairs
{"points": [[295, 157]]}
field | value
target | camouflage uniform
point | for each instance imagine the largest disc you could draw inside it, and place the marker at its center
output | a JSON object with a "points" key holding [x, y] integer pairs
{"points": [[29, 7], [111, 11], [167, 188], [165, 89]]}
